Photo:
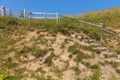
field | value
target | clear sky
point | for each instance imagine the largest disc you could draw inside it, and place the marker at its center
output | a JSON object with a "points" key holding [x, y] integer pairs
{"points": [[61, 6]]}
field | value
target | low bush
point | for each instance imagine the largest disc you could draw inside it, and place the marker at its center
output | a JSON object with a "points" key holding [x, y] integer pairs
{"points": [[40, 53], [89, 48], [87, 64], [48, 60], [80, 56], [93, 32], [24, 50], [95, 66], [4, 75], [77, 70], [7, 63], [73, 49], [118, 71], [96, 70]]}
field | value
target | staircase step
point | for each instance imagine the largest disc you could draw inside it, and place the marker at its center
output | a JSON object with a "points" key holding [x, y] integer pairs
{"points": [[100, 49]]}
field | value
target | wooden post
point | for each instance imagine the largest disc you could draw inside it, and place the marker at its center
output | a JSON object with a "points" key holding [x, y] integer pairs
{"points": [[31, 14], [10, 11], [81, 22], [45, 16], [24, 13], [103, 23], [57, 18], [101, 27], [101, 37], [3, 10]]}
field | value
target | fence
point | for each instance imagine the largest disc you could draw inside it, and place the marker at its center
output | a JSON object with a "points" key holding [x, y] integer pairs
{"points": [[30, 14], [39, 15], [5, 11], [46, 15]]}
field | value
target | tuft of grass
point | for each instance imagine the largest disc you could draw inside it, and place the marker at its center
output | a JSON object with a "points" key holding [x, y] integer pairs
{"points": [[118, 71], [40, 53], [96, 70], [48, 60], [93, 32], [7, 63], [77, 70]]}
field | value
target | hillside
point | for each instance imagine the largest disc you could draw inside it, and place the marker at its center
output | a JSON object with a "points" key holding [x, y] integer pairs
{"points": [[44, 50]]}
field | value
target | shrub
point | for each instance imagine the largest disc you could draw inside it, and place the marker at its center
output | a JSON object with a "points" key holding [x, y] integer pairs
{"points": [[40, 53], [118, 71], [16, 77], [114, 64], [48, 60], [96, 74], [93, 32], [80, 56], [4, 75], [70, 56], [77, 70], [25, 49], [64, 43], [89, 48], [7, 63], [96, 66], [87, 64], [73, 49], [66, 25], [44, 78]]}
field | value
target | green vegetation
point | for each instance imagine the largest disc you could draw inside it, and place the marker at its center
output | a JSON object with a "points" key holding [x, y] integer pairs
{"points": [[4, 75], [93, 32], [118, 71], [77, 70], [89, 48], [111, 16], [40, 53], [44, 78], [96, 70], [75, 51], [87, 64], [14, 30], [48, 60], [114, 64], [64, 43], [8, 64]]}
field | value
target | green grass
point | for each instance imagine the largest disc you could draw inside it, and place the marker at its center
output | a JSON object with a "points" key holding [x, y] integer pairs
{"points": [[44, 78], [118, 71], [111, 16], [8, 63], [40, 53], [93, 32], [4, 75], [75, 51], [77, 70], [48, 60], [89, 48], [96, 72]]}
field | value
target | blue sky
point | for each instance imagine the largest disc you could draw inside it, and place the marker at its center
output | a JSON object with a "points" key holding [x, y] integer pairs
{"points": [[72, 7]]}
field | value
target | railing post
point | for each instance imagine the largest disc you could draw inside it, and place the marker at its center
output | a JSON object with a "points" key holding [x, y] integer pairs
{"points": [[10, 11], [81, 20], [101, 37], [3, 10], [45, 16], [24, 13], [57, 18], [101, 27]]}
